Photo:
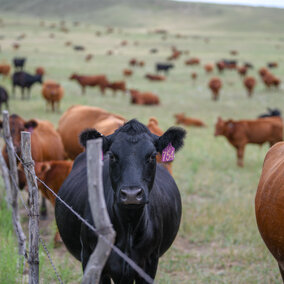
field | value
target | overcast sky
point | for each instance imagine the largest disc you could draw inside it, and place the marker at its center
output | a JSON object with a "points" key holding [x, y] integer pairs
{"points": [[266, 3]]}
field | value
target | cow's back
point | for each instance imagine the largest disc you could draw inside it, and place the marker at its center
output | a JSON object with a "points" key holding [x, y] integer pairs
{"points": [[46, 143], [269, 201], [77, 118]]}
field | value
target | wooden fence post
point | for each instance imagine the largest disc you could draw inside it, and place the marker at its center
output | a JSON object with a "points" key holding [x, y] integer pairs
{"points": [[34, 207], [14, 183], [99, 212], [6, 179]]}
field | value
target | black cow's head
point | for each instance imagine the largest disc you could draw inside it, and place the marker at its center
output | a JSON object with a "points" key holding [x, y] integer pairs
{"points": [[132, 151]]}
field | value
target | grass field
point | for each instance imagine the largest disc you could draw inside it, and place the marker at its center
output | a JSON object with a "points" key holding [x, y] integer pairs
{"points": [[218, 241]]}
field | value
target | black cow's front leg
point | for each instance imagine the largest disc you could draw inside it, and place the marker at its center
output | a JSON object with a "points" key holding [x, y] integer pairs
{"points": [[150, 269], [43, 209]]}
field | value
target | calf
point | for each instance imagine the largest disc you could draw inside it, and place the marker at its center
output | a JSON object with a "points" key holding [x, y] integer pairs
{"points": [[92, 81], [19, 63], [269, 202], [24, 80], [257, 131], [249, 83], [188, 121], [215, 85], [117, 86], [165, 67], [4, 97], [154, 77], [53, 93], [142, 200], [5, 70], [145, 98]]}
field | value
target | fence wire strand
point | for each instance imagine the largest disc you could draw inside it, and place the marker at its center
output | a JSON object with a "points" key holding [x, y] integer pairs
{"points": [[131, 263]]}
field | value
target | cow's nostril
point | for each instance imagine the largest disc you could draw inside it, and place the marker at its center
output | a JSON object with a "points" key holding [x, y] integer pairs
{"points": [[139, 195], [123, 195]]}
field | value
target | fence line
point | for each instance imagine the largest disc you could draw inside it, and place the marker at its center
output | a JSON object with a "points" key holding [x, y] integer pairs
{"points": [[131, 263]]}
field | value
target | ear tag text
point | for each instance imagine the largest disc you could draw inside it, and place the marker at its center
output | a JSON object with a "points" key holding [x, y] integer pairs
{"points": [[168, 154]]}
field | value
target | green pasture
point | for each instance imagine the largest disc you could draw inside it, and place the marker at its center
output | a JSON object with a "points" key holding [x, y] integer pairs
{"points": [[218, 241]]}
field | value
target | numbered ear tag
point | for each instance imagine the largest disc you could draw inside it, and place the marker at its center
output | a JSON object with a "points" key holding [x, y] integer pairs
{"points": [[168, 153]]}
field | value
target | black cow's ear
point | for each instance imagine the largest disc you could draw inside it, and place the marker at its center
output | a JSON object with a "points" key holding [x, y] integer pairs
{"points": [[89, 134], [174, 136], [31, 124]]}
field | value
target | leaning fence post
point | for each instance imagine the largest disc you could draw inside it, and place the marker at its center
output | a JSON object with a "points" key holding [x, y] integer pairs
{"points": [[14, 193], [34, 207], [99, 212], [6, 179]]}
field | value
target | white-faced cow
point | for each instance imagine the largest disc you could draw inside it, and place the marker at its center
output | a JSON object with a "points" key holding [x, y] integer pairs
{"points": [[142, 199]]}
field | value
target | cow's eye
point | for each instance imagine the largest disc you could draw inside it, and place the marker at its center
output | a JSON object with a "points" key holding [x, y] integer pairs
{"points": [[112, 157], [152, 158]]}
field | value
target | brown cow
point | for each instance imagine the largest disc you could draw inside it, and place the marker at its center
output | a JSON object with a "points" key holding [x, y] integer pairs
{"points": [[269, 202], [88, 57], [188, 121], [53, 174], [175, 55], [192, 61], [52, 92], [5, 69], [155, 129], [145, 98], [154, 77], [79, 117], [208, 68], [40, 71], [92, 81], [127, 72], [215, 85], [263, 71], [220, 66], [234, 52], [271, 80], [249, 83], [257, 131], [194, 76], [117, 86], [133, 62], [242, 70]]}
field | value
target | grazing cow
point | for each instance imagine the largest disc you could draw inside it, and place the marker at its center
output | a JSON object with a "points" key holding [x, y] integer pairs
{"points": [[154, 77], [220, 66], [124, 43], [175, 54], [270, 113], [127, 72], [46, 144], [88, 57], [92, 81], [154, 50], [68, 43], [271, 80], [52, 92], [145, 98], [248, 65], [194, 76], [164, 67], [5, 70], [269, 201], [234, 52], [142, 200], [263, 71], [79, 47], [230, 64], [215, 85], [249, 83], [208, 68], [155, 129], [141, 63], [272, 65], [19, 63], [16, 45], [77, 118], [192, 61], [188, 121], [257, 131], [4, 97], [117, 86], [242, 70], [24, 80], [40, 71], [53, 174], [133, 62]]}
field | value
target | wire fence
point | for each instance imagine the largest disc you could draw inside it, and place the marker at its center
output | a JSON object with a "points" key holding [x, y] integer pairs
{"points": [[128, 260]]}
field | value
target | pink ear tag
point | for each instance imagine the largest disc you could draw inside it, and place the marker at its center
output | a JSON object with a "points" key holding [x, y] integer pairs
{"points": [[168, 153]]}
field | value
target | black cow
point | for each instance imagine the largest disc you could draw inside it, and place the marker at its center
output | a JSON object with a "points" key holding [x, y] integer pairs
{"points": [[142, 199], [271, 112], [164, 67], [4, 97], [248, 65], [24, 80], [19, 63], [78, 47]]}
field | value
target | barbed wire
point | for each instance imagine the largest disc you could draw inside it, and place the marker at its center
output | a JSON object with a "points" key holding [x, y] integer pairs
{"points": [[131, 263]]}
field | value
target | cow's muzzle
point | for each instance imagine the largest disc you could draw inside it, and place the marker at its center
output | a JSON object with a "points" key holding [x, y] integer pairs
{"points": [[132, 196]]}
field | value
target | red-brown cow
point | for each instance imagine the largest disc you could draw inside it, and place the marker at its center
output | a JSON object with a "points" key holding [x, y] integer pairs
{"points": [[154, 77], [257, 131], [5, 69], [92, 81], [145, 98], [215, 84], [53, 93], [127, 72], [242, 70], [117, 86], [194, 76], [208, 68], [192, 61], [188, 121], [77, 118], [40, 71], [269, 202], [249, 83]]}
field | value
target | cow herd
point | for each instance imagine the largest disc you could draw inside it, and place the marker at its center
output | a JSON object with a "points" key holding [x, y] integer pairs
{"points": [[142, 197]]}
